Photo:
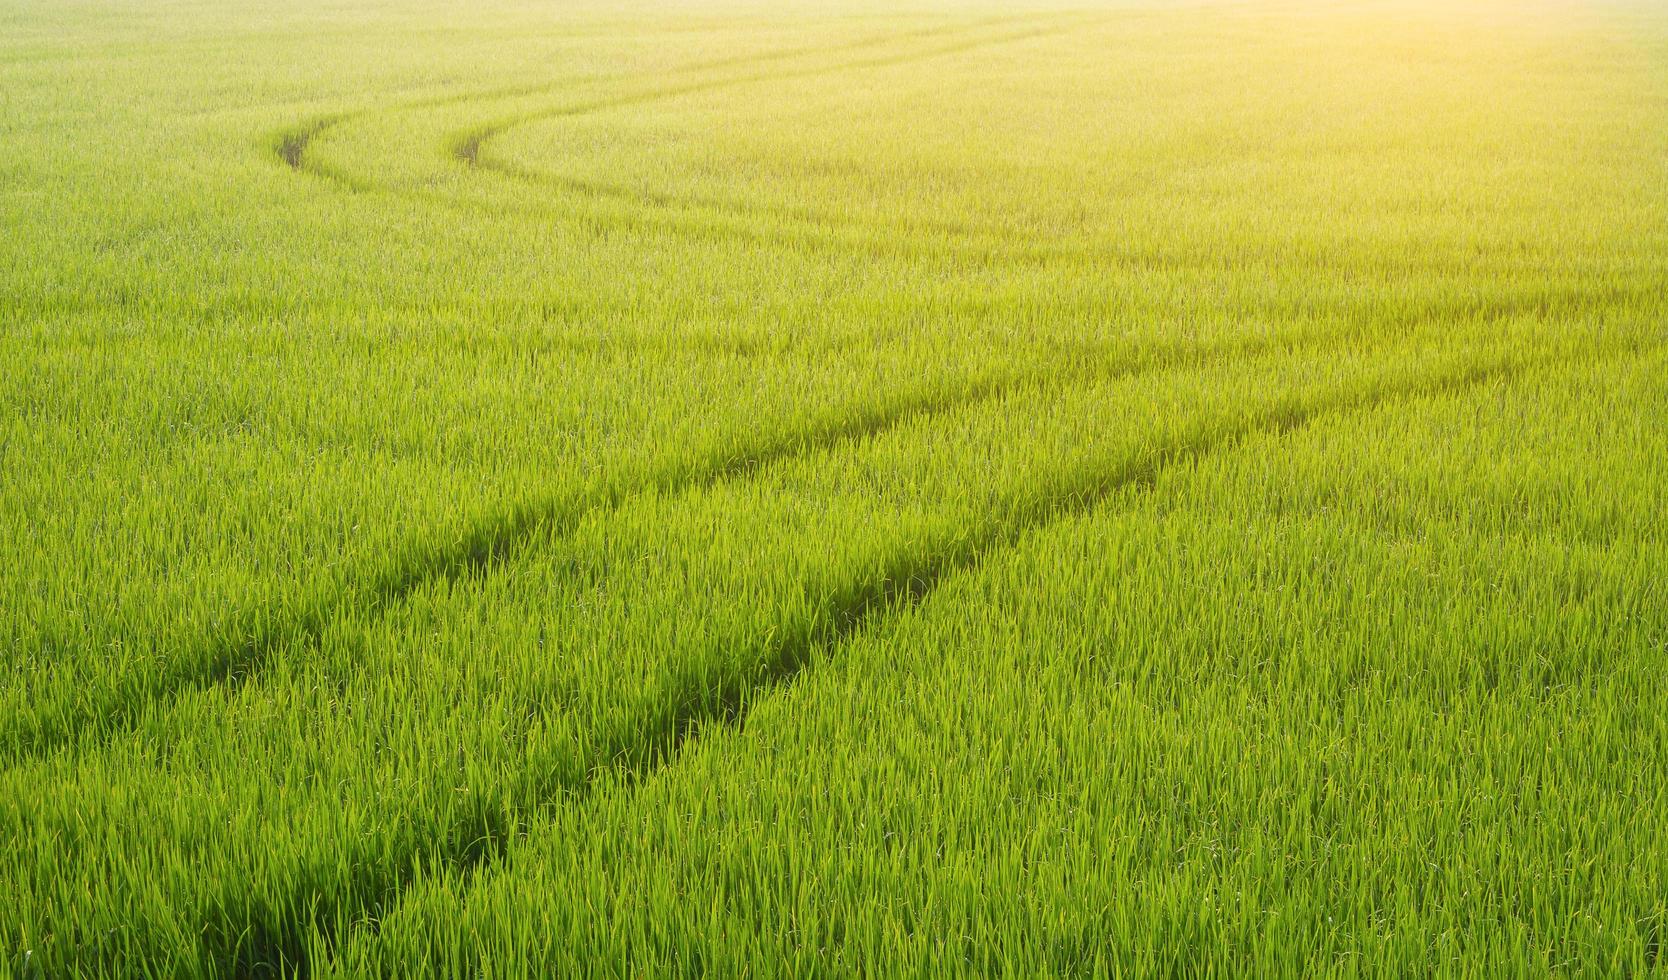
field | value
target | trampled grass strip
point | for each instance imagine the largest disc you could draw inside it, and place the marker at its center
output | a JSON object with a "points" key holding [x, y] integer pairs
{"points": [[685, 704], [468, 147], [224, 660], [1003, 718], [234, 656], [458, 829], [292, 145]]}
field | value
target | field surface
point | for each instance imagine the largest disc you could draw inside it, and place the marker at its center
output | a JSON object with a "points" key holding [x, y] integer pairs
{"points": [[783, 490]]}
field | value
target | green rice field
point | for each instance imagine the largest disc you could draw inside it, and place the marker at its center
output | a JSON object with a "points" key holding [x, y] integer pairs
{"points": [[725, 488]]}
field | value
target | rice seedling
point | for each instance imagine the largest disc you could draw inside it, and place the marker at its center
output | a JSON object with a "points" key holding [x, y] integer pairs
{"points": [[963, 489]]}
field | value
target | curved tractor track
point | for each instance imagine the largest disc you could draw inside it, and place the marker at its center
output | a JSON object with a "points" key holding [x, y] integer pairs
{"points": [[237, 655], [468, 147], [794, 226], [687, 705], [292, 146]]}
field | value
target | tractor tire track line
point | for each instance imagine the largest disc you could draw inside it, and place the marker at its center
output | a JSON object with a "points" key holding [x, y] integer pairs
{"points": [[234, 656], [684, 706], [466, 147], [291, 145], [255, 951], [231, 658]]}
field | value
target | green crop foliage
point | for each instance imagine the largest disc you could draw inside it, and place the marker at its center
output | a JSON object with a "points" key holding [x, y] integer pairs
{"points": [[730, 489]]}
